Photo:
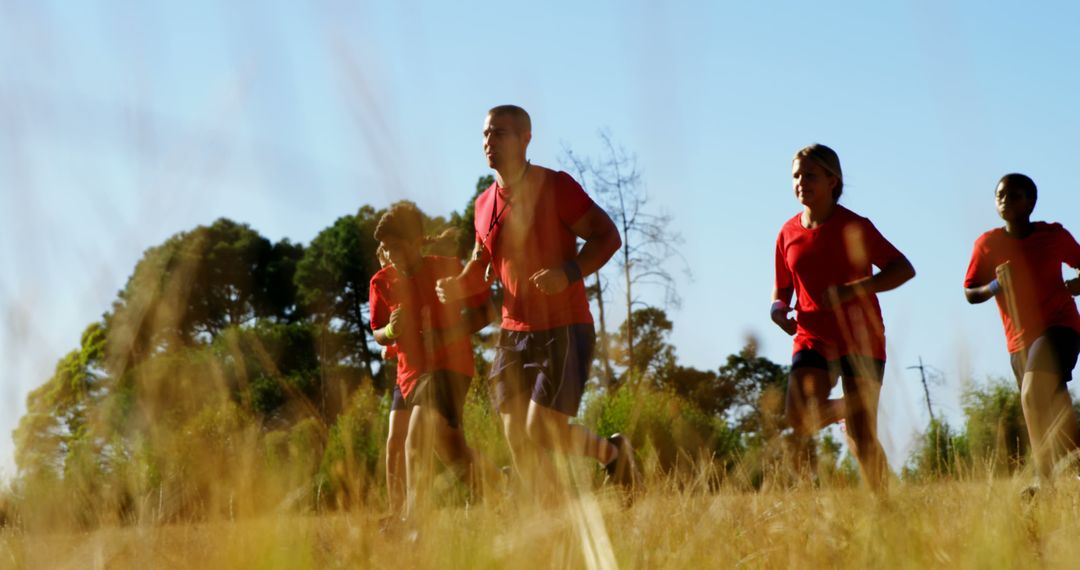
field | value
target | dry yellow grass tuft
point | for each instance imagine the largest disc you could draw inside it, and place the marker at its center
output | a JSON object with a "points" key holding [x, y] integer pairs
{"points": [[973, 524]]}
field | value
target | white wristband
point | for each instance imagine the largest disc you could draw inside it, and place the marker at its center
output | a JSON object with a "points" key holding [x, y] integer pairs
{"points": [[779, 305], [995, 287]]}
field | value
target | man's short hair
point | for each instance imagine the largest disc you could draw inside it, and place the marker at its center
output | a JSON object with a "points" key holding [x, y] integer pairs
{"points": [[520, 116]]}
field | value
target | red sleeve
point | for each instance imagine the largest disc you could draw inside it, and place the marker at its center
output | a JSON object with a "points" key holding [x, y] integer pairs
{"points": [[378, 302], [1070, 250], [452, 267], [881, 251], [783, 279], [482, 215], [980, 270], [570, 199]]}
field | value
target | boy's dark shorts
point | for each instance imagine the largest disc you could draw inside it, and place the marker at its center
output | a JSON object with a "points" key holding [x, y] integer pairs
{"points": [[1054, 352], [445, 391], [849, 366], [550, 366], [397, 401]]}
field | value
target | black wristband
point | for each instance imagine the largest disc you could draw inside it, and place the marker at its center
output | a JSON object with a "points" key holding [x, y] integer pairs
{"points": [[572, 270]]}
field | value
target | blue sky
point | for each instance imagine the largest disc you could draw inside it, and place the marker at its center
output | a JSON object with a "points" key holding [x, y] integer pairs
{"points": [[123, 123]]}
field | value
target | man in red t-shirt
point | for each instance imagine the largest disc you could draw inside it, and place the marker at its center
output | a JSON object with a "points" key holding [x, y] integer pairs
{"points": [[527, 226], [434, 351], [1020, 266]]}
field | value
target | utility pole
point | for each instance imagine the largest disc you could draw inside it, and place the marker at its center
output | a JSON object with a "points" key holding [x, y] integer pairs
{"points": [[925, 385]]}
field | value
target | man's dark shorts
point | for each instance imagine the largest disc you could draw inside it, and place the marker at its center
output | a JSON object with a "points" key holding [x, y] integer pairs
{"points": [[1054, 352], [445, 391], [848, 366], [550, 367]]}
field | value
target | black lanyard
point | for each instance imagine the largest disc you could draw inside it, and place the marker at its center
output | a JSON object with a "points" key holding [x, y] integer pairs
{"points": [[496, 214]]}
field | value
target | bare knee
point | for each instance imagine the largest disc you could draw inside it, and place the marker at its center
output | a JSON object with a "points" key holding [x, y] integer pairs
{"points": [[514, 429], [535, 429], [414, 443], [395, 442], [1032, 392]]}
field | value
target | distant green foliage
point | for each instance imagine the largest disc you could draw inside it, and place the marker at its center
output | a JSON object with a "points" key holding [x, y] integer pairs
{"points": [[996, 432], [994, 437], [940, 453], [351, 463], [664, 426]]}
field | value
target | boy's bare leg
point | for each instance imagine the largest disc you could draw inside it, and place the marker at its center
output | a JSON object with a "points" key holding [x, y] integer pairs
{"points": [[395, 459], [1050, 419]]}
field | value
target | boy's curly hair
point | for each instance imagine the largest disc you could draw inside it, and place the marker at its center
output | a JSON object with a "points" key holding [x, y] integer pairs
{"points": [[402, 221]]}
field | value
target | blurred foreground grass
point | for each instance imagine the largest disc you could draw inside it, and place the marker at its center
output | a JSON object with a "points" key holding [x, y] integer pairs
{"points": [[973, 524]]}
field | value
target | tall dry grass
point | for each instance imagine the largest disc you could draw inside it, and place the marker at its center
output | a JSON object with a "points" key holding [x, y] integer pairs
{"points": [[971, 522]]}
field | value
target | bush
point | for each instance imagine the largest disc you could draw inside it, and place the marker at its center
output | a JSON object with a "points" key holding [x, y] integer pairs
{"points": [[350, 467], [669, 432]]}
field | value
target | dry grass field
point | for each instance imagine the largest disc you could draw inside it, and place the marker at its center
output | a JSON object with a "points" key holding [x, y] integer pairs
{"points": [[955, 524]]}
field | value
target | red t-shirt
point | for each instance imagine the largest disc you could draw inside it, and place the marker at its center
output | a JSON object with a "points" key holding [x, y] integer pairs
{"points": [[842, 249], [390, 289], [1041, 297], [529, 235]]}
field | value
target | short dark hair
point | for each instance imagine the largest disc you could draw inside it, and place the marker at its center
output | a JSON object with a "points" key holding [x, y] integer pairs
{"points": [[826, 158], [402, 221], [519, 115], [1021, 181]]}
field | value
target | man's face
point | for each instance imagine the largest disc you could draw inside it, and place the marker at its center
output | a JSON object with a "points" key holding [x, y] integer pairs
{"points": [[1014, 204], [504, 144]]}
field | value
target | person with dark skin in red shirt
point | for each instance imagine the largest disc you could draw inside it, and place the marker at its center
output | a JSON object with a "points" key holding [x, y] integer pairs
{"points": [[1020, 267], [825, 257]]}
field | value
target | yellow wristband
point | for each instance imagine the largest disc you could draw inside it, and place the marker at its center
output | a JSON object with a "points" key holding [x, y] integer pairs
{"points": [[388, 332]]}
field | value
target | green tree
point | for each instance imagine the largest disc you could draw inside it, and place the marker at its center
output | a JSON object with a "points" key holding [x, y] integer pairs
{"points": [[940, 452], [995, 428], [195, 285], [654, 357], [58, 412], [332, 280]]}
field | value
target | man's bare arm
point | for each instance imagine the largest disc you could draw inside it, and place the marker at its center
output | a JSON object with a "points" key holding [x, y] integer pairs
{"points": [[602, 240]]}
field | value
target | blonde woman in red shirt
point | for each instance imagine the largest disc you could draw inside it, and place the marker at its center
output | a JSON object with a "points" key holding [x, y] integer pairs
{"points": [[825, 257]]}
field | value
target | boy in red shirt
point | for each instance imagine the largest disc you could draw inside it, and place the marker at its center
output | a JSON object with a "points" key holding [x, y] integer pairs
{"points": [[1020, 266], [434, 351], [400, 412], [825, 256], [527, 226]]}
